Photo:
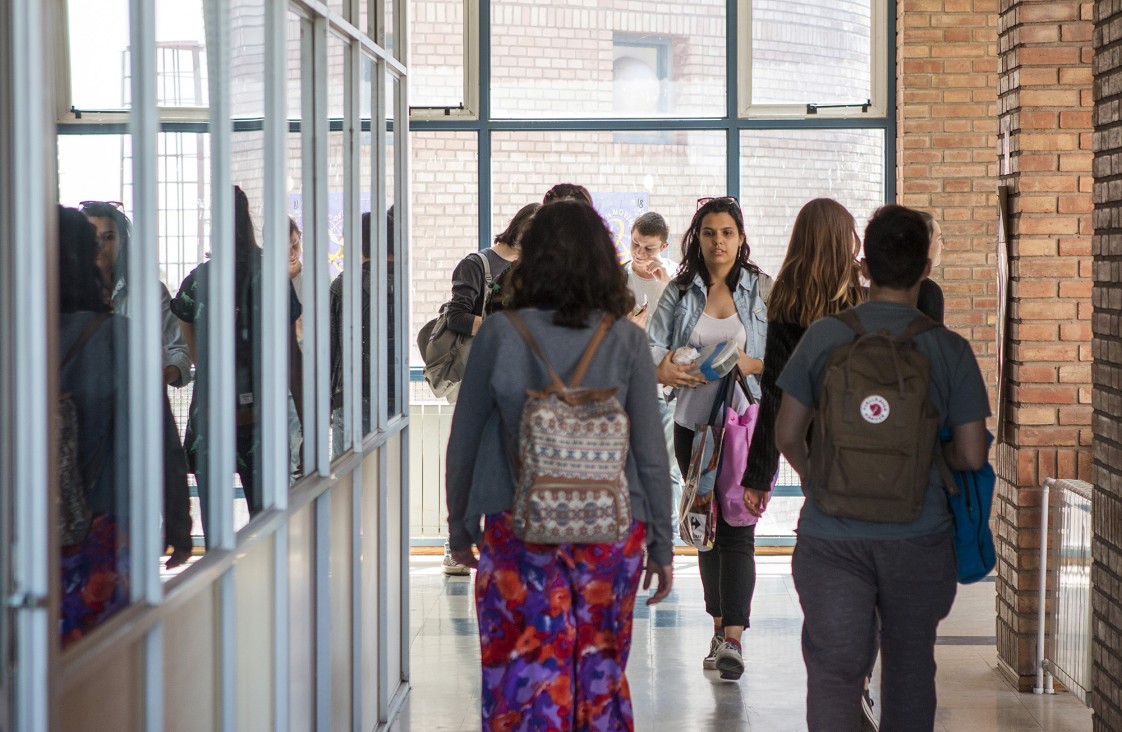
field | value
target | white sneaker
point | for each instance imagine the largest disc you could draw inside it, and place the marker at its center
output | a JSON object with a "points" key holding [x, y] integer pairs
{"points": [[729, 661], [710, 662], [453, 568]]}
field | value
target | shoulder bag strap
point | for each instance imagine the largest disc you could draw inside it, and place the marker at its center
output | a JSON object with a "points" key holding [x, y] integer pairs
{"points": [[487, 279], [520, 327], [87, 333], [590, 350]]}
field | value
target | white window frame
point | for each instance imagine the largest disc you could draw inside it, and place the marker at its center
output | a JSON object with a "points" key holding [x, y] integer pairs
{"points": [[470, 108], [878, 94]]}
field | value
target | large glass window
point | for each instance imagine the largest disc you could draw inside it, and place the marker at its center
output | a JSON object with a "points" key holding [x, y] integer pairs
{"points": [[783, 169], [607, 59], [437, 35]]}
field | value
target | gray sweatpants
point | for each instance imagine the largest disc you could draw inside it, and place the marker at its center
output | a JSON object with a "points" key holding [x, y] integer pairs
{"points": [[842, 586]]}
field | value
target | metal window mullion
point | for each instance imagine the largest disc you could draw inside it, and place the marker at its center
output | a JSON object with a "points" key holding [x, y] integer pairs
{"points": [[275, 349], [145, 361], [377, 231], [352, 256], [401, 273], [218, 348], [34, 576], [358, 619], [321, 578], [732, 96], [379, 251], [483, 144], [313, 426], [320, 374], [889, 42], [275, 320], [384, 592]]}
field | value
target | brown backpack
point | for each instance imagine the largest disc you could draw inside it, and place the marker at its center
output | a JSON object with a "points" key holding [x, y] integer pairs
{"points": [[873, 438]]}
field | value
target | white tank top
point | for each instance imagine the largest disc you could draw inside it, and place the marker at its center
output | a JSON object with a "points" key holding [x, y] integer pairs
{"points": [[695, 404]]}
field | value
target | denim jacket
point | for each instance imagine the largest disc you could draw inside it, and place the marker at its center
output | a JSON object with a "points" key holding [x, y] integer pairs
{"points": [[677, 314]]}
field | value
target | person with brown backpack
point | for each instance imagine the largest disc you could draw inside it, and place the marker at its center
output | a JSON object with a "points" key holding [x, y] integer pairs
{"points": [[869, 388]]}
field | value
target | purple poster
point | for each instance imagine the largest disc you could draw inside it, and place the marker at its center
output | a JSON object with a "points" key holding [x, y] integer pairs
{"points": [[619, 211], [334, 224]]}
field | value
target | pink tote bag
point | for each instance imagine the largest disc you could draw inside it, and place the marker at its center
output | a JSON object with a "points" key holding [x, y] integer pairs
{"points": [[735, 445]]}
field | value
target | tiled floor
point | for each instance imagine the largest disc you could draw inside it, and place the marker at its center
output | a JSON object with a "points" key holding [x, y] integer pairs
{"points": [[671, 692]]}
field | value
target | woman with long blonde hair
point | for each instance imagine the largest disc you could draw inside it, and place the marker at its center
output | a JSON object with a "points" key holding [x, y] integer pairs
{"points": [[819, 277]]}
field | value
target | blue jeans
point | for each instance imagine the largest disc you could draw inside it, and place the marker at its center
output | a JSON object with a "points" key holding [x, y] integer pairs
{"points": [[843, 586]]}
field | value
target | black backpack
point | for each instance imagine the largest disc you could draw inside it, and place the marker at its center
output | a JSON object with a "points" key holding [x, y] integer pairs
{"points": [[874, 435]]}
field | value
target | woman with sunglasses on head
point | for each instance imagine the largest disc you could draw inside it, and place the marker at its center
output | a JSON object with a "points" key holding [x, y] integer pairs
{"points": [[718, 294], [114, 233]]}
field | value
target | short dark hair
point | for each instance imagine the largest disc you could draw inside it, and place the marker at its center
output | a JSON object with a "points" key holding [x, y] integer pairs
{"points": [[82, 286], [565, 192], [569, 264], [896, 247], [652, 224]]}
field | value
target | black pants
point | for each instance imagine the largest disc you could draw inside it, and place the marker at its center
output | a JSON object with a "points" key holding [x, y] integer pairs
{"points": [[177, 500], [728, 571]]}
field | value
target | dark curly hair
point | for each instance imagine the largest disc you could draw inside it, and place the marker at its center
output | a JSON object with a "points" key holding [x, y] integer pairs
{"points": [[569, 265], [692, 261], [82, 286]]}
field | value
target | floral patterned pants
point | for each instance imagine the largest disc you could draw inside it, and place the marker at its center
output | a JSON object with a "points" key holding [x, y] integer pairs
{"points": [[555, 630]]}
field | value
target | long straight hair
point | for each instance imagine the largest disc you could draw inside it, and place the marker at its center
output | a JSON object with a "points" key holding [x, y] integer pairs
{"points": [[820, 275]]}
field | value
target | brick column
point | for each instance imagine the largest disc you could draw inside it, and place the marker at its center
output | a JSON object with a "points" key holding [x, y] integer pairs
{"points": [[1106, 547], [1044, 101], [946, 87]]}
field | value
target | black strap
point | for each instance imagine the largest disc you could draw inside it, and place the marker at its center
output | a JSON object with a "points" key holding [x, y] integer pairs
{"points": [[726, 394]]}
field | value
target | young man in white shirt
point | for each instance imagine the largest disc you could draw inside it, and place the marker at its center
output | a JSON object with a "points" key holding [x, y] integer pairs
{"points": [[648, 272]]}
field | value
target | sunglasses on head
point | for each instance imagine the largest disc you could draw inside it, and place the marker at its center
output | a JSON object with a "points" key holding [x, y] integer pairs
{"points": [[115, 204], [706, 199]]}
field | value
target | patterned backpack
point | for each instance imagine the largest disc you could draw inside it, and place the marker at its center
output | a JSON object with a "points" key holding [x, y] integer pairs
{"points": [[570, 485]]}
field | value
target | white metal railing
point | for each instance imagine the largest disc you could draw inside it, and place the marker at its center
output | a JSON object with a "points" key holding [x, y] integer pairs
{"points": [[1065, 545]]}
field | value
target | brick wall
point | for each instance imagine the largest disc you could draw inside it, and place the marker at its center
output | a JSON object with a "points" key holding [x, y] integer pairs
{"points": [[1044, 104], [1106, 598]]}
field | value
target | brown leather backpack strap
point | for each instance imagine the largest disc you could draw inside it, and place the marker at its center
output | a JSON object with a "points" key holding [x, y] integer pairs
{"points": [[920, 324], [87, 333], [520, 327], [590, 351], [850, 318]]}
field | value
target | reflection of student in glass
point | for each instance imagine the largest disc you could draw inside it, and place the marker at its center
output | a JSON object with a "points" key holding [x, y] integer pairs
{"points": [[335, 308], [190, 307], [93, 357], [114, 233], [648, 271]]}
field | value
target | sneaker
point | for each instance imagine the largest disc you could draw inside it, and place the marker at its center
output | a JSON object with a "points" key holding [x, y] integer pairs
{"points": [[710, 662], [868, 719], [453, 568], [729, 661]]}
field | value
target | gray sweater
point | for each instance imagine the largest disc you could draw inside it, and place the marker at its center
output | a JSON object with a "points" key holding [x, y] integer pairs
{"points": [[500, 369]]}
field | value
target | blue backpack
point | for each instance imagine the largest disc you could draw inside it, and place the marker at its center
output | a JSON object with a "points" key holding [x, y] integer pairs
{"points": [[970, 506]]}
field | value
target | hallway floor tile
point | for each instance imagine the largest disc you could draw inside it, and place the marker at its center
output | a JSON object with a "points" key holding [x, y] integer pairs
{"points": [[670, 691]]}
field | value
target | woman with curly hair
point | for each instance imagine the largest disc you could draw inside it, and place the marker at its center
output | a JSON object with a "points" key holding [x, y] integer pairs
{"points": [[555, 620]]}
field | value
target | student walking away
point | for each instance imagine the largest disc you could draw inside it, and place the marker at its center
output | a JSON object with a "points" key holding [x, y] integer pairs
{"points": [[93, 475], [114, 234], [475, 294], [296, 277], [190, 305], [930, 301], [874, 536], [555, 613], [718, 295]]}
